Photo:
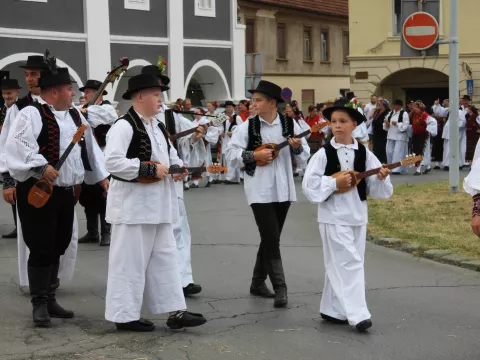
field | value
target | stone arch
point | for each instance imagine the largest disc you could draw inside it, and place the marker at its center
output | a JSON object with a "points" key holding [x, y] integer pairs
{"points": [[206, 81]]}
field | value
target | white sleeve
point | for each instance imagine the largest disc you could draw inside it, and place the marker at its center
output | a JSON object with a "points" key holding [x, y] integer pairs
{"points": [[377, 189], [432, 126], [101, 115], [212, 135], [471, 184], [174, 159], [478, 121], [21, 150], [303, 157], [7, 125], [237, 145], [118, 140], [462, 122], [95, 158], [316, 186], [403, 126], [360, 132], [439, 110]]}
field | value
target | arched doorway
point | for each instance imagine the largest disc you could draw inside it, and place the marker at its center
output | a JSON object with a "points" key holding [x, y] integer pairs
{"points": [[206, 81], [415, 83], [121, 85], [11, 64]]}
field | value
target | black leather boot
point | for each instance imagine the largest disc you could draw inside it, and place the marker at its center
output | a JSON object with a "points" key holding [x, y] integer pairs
{"points": [[258, 286], [106, 231], [39, 279], [277, 276], [54, 309], [92, 235]]}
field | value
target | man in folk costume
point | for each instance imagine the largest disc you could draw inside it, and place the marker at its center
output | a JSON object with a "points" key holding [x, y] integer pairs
{"points": [[464, 102], [437, 141], [441, 111], [10, 91], [143, 254], [191, 151], [396, 124], [210, 138], [32, 69], [100, 116], [269, 189], [233, 174], [38, 137], [343, 216]]}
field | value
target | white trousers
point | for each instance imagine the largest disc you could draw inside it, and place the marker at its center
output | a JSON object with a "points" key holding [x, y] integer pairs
{"points": [[397, 150], [344, 290], [183, 239], [462, 141], [427, 155], [233, 173], [67, 261], [143, 259]]}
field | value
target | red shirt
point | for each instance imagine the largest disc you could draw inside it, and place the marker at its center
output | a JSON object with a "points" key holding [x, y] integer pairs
{"points": [[419, 123], [313, 121]]}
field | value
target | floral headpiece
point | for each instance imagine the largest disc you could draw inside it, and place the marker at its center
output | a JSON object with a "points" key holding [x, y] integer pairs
{"points": [[352, 104], [162, 65]]}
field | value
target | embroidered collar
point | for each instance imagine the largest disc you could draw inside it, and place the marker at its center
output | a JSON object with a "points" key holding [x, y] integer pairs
{"points": [[337, 146]]}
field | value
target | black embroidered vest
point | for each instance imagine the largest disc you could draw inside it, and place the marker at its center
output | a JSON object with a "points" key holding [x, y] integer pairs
{"points": [[49, 138], [255, 138], [359, 165], [170, 125], [400, 116], [25, 101]]}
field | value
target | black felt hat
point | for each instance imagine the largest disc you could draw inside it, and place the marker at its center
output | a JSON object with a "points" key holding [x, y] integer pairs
{"points": [[270, 89], [398, 102], [154, 70], [34, 62], [466, 97], [58, 76], [141, 82], [339, 106], [92, 84], [9, 84], [350, 95], [229, 102]]}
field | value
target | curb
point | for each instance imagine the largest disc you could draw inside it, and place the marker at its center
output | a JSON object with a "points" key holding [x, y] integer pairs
{"points": [[438, 255]]}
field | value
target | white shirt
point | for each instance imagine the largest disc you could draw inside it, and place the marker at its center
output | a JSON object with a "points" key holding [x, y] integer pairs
{"points": [[22, 150], [471, 184], [347, 208], [132, 202], [211, 136], [272, 182], [10, 116], [226, 139], [399, 131], [100, 115], [368, 112], [439, 110]]}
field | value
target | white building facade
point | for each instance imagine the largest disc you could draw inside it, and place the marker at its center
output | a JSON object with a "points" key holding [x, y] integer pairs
{"points": [[200, 39]]}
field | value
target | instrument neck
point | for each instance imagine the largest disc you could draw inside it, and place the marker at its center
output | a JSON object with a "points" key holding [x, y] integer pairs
{"points": [[285, 143], [377, 170], [62, 159], [182, 170]]}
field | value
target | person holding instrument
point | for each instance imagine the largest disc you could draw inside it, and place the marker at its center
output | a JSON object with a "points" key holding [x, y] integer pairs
{"points": [[343, 217], [39, 135], [269, 189]]}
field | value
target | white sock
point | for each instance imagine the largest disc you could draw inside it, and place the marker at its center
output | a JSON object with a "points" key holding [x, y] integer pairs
{"points": [[419, 169], [195, 182]]}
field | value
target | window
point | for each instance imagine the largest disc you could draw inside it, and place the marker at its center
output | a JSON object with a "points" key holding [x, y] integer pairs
{"points": [[137, 5], [250, 36], [325, 42], [346, 46], [281, 42], [397, 17], [307, 44], [205, 8], [308, 98]]}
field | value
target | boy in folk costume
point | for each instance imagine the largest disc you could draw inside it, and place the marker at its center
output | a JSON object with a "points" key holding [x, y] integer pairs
{"points": [[101, 117], [143, 254], [343, 217], [270, 189], [396, 124], [233, 174], [32, 68], [191, 151], [38, 137]]}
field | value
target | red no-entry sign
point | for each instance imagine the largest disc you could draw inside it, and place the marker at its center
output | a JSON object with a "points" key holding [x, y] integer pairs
{"points": [[420, 31]]}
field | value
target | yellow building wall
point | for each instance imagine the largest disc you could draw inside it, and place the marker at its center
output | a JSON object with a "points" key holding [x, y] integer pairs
{"points": [[376, 50]]}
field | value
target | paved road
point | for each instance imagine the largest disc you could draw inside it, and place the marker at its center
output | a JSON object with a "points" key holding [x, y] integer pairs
{"points": [[421, 309]]}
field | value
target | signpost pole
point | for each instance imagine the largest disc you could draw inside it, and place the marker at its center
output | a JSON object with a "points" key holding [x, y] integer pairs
{"points": [[454, 173]]}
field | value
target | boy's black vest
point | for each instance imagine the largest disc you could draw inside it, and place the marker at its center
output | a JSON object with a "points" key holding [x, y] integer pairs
{"points": [[49, 138], [140, 147], [400, 116], [359, 165], [255, 138]]}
